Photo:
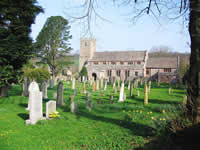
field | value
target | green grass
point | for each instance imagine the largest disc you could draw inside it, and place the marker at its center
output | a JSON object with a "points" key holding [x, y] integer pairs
{"points": [[122, 126]]}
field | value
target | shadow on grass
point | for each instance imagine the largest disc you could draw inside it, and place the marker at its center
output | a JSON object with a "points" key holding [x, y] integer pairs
{"points": [[24, 116], [23, 105]]}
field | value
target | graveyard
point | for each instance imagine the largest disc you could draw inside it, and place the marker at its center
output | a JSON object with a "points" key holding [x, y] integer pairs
{"points": [[100, 119]]}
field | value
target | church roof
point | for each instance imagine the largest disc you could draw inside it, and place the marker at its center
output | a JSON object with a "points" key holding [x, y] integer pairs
{"points": [[119, 56], [162, 62]]}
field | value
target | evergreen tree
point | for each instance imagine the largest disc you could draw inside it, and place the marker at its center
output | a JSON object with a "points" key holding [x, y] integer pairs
{"points": [[52, 44], [84, 72], [16, 18]]}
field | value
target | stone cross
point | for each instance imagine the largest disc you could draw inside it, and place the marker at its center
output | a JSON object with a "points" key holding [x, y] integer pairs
{"points": [[44, 89], [73, 83], [121, 95], [50, 108], [35, 104], [60, 94], [111, 99]]}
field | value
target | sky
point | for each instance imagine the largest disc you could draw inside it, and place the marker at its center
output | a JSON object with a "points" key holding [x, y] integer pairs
{"points": [[119, 33]]}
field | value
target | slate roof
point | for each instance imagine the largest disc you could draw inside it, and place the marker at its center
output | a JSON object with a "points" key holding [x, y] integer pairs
{"points": [[119, 56], [162, 62]]}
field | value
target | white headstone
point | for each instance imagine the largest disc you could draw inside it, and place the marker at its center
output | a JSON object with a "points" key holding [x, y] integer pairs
{"points": [[73, 83], [97, 84], [50, 108], [105, 85], [35, 101], [121, 95]]}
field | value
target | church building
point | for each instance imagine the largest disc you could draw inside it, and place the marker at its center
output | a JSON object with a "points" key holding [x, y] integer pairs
{"points": [[122, 64]]}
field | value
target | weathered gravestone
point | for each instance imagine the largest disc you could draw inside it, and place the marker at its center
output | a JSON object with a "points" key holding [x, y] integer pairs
{"points": [[149, 89], [131, 90], [124, 96], [60, 94], [118, 85], [73, 106], [54, 95], [105, 85], [111, 99], [94, 86], [97, 84], [89, 102], [145, 94], [75, 92], [35, 104], [84, 89], [115, 91], [32, 87], [73, 83], [101, 83], [51, 84], [114, 86], [44, 90], [121, 95], [129, 84], [138, 93], [50, 108], [25, 86], [170, 90]]}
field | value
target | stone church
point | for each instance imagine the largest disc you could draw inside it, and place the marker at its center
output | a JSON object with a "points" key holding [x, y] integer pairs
{"points": [[123, 64]]}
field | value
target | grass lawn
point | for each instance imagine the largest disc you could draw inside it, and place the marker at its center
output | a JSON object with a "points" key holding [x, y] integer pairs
{"points": [[122, 126]]}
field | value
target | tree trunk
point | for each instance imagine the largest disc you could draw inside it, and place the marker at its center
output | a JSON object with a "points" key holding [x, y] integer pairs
{"points": [[4, 91], [193, 91]]}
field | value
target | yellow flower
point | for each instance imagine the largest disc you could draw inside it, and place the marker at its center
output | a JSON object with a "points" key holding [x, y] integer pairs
{"points": [[150, 112], [137, 111], [163, 111], [152, 118], [160, 118], [124, 111], [129, 111], [163, 118]]}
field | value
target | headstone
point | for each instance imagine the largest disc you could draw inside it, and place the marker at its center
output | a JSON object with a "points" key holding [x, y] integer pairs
{"points": [[73, 83], [138, 93], [35, 100], [51, 83], [118, 84], [149, 89], [50, 108], [75, 92], [121, 95], [94, 86], [74, 107], [32, 87], [99, 101], [44, 90], [111, 99], [60, 94], [114, 86], [115, 91], [89, 104], [97, 84], [105, 85], [170, 89], [131, 90], [54, 95], [25, 86], [101, 83], [129, 84], [84, 89], [124, 96], [145, 94], [87, 96]]}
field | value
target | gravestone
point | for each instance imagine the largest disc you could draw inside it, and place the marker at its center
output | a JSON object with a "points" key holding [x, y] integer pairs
{"points": [[111, 99], [89, 104], [75, 92], [25, 86], [100, 101], [84, 89], [54, 95], [50, 108], [105, 85], [138, 93], [114, 86], [35, 104], [145, 94], [121, 95], [97, 84], [115, 91], [44, 89], [149, 89], [170, 90], [129, 85], [73, 106], [32, 87], [87, 96], [60, 94], [124, 96], [73, 83], [51, 83], [118, 85], [101, 83], [94, 86], [131, 90]]}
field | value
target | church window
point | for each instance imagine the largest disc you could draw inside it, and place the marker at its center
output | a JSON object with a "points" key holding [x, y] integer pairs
{"points": [[147, 72], [130, 63], [118, 73], [127, 72], [138, 62], [96, 63], [167, 70], [109, 73], [121, 63], [136, 73], [104, 62]]}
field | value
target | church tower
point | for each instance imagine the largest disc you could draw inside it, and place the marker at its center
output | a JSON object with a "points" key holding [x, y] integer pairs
{"points": [[87, 50]]}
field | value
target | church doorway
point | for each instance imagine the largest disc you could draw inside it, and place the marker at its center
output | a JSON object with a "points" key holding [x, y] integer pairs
{"points": [[94, 75]]}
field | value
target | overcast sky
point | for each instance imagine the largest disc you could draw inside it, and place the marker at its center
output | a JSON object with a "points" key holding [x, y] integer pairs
{"points": [[119, 33]]}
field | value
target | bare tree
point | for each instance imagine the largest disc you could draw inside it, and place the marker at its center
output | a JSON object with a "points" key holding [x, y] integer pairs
{"points": [[173, 9]]}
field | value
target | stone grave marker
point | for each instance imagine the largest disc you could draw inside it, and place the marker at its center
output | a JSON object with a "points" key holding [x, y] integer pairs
{"points": [[111, 99], [129, 84], [131, 90], [54, 95], [50, 108], [114, 86], [25, 85], [115, 91], [121, 95], [73, 83], [35, 104], [60, 94], [84, 89], [94, 86], [145, 94], [149, 89], [51, 83], [105, 85], [97, 84], [124, 96], [73, 106], [138, 93], [75, 92], [170, 90], [44, 89]]}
